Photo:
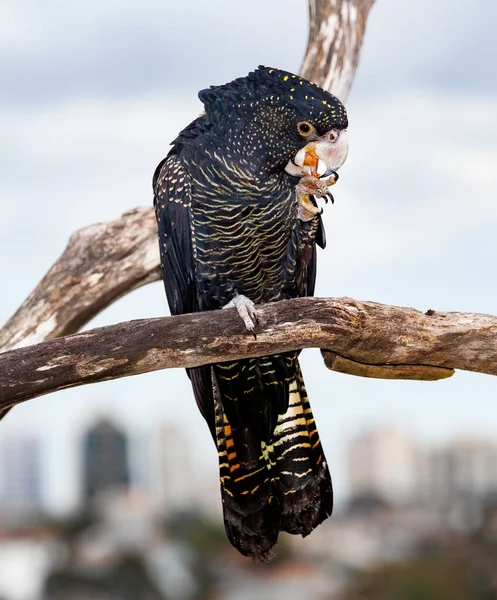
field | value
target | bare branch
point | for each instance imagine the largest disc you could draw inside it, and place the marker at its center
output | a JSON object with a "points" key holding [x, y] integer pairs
{"points": [[336, 33], [100, 264], [364, 332], [105, 261]]}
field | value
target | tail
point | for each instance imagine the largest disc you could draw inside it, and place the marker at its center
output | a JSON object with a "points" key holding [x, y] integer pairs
{"points": [[285, 486]]}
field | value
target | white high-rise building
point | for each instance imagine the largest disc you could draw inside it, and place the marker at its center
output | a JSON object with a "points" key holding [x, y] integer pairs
{"points": [[20, 473], [386, 462], [172, 477], [177, 485], [466, 466], [168, 466]]}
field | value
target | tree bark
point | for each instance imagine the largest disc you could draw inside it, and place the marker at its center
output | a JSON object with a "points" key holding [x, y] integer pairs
{"points": [[100, 264], [364, 332], [336, 33]]}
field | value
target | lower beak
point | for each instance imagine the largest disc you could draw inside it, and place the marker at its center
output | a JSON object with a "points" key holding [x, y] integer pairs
{"points": [[311, 161]]}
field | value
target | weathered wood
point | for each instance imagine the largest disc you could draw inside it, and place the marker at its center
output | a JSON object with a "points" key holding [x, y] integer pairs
{"points": [[364, 332], [336, 33], [340, 364], [100, 264]]}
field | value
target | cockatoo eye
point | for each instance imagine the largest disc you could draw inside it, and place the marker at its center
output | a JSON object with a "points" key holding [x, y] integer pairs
{"points": [[306, 129]]}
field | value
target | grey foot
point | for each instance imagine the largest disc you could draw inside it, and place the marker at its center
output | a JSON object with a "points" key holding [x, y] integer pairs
{"points": [[246, 310]]}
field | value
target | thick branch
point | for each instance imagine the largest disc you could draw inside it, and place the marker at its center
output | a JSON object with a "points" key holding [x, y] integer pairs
{"points": [[364, 332], [100, 264], [336, 33]]}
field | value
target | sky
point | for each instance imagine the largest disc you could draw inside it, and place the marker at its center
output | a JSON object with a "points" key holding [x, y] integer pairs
{"points": [[91, 96]]}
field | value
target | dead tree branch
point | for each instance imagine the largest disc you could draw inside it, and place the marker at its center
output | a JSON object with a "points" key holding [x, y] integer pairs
{"points": [[364, 332], [105, 261], [336, 33], [100, 264]]}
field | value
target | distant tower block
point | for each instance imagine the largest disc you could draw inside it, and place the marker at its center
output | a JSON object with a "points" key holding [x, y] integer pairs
{"points": [[105, 456], [20, 468], [178, 489], [386, 462]]}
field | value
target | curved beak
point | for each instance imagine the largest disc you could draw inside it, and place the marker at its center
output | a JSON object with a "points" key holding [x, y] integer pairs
{"points": [[321, 157]]}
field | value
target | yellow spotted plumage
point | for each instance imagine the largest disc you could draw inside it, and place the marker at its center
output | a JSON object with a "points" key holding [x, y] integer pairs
{"points": [[228, 225]]}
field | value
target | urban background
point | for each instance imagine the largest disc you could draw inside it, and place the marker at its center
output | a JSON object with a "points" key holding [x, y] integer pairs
{"points": [[147, 523]]}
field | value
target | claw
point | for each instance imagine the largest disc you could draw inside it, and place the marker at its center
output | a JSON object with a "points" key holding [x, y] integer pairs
{"points": [[317, 188], [307, 210], [329, 172], [246, 310]]}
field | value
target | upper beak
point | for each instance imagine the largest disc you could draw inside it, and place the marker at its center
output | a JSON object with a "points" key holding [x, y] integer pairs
{"points": [[322, 156]]}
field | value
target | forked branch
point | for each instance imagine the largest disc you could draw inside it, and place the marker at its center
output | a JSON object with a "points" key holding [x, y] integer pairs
{"points": [[100, 264], [106, 261]]}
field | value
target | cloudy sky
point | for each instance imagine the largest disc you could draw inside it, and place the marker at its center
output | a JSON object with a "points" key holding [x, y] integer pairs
{"points": [[91, 95]]}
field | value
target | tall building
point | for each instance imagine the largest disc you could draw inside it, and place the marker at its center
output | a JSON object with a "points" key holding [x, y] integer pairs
{"points": [[466, 466], [386, 462], [105, 459], [464, 479], [176, 487], [20, 468], [174, 474]]}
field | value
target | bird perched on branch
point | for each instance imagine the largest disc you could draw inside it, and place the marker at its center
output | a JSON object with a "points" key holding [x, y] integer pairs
{"points": [[238, 224]]}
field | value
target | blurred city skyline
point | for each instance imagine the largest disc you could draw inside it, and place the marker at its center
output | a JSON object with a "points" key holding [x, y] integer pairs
{"points": [[93, 95], [388, 462], [148, 519]]}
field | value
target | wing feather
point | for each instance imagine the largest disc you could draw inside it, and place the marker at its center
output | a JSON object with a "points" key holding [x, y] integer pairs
{"points": [[172, 199]]}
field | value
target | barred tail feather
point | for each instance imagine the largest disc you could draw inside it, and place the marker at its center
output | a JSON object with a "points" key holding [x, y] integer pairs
{"points": [[251, 514], [303, 484], [287, 489]]}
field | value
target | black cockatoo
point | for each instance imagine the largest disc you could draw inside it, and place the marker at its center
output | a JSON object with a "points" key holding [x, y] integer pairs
{"points": [[238, 225]]}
